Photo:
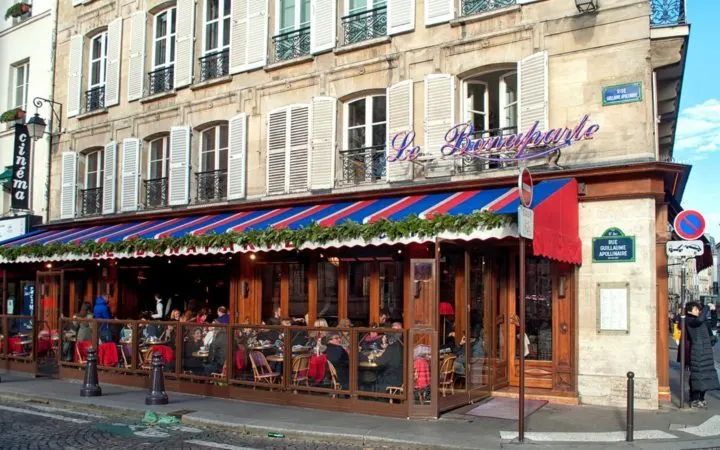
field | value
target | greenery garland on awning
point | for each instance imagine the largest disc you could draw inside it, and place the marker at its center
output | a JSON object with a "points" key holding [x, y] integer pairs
{"points": [[270, 237]]}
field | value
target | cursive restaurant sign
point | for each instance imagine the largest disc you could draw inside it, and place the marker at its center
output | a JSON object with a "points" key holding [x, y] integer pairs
{"points": [[460, 141]]}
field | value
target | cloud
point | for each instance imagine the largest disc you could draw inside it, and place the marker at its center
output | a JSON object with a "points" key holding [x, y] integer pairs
{"points": [[698, 128]]}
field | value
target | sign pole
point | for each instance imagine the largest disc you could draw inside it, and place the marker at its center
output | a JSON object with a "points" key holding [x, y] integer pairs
{"points": [[682, 336], [521, 396]]}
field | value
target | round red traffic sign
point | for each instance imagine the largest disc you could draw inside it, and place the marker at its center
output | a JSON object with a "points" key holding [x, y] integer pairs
{"points": [[525, 186], [689, 225]]}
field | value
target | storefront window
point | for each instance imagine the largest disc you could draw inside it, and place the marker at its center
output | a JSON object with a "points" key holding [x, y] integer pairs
{"points": [[297, 281], [391, 290], [359, 292], [450, 269], [327, 292], [270, 274], [538, 309]]}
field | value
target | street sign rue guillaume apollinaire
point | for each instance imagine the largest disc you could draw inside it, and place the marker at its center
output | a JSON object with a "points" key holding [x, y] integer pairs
{"points": [[614, 246]]}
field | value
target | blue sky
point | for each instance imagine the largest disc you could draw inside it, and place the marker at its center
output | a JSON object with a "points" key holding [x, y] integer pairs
{"points": [[698, 132]]}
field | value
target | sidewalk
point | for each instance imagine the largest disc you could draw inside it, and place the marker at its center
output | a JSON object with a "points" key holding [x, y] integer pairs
{"points": [[453, 430]]}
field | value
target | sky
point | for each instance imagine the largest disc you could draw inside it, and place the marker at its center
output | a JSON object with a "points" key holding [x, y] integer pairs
{"points": [[697, 140]]}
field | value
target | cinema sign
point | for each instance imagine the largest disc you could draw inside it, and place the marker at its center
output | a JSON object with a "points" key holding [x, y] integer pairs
{"points": [[460, 141]]}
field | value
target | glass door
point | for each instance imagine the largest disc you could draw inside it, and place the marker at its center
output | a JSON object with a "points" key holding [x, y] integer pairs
{"points": [[477, 342], [46, 331]]}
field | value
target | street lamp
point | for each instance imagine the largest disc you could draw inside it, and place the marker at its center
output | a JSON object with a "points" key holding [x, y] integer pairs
{"points": [[36, 125]]}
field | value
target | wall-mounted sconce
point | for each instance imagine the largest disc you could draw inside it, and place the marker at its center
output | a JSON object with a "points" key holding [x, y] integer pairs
{"points": [[586, 5], [245, 289], [562, 284]]}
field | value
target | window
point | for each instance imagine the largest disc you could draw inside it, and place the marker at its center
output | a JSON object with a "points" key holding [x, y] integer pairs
{"points": [[158, 159], [294, 14], [94, 170], [212, 178], [21, 74], [164, 41], [217, 25], [365, 136], [95, 96], [365, 19], [293, 25]]}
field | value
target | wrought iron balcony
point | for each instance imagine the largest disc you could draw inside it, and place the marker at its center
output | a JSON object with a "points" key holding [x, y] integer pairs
{"points": [[215, 65], [95, 99], [470, 7], [364, 25], [363, 165], [211, 186], [156, 193], [161, 80], [292, 44], [91, 201], [471, 164], [665, 13]]}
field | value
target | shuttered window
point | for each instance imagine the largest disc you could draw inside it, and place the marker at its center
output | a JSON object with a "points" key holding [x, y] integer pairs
{"points": [[363, 156], [439, 118], [130, 178], [68, 189], [323, 23], [94, 169], [533, 91], [158, 158], [288, 150], [136, 63], [400, 120], [185, 41], [249, 35]]}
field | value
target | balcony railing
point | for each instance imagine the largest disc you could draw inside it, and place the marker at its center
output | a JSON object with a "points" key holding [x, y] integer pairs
{"points": [[470, 7], [212, 185], [91, 201], [161, 80], [292, 44], [471, 164], [364, 25], [156, 191], [95, 99], [363, 165], [667, 13], [214, 65]]}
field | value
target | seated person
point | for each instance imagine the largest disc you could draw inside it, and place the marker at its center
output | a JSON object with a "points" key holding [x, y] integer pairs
{"points": [[337, 355], [477, 350], [193, 363], [275, 319], [390, 364], [222, 315], [371, 342], [217, 352]]}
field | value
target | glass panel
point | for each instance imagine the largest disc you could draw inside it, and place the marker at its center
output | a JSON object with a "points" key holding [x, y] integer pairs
{"points": [[538, 309], [476, 105], [213, 10], [161, 27], [97, 47], [287, 15], [160, 52], [379, 135], [298, 300], [391, 293], [270, 276], [478, 372], [226, 31], [20, 86], [381, 363], [423, 292], [356, 113], [357, 6], [327, 292], [223, 136], [450, 268], [95, 74], [378, 109], [358, 279], [204, 351], [356, 138], [211, 36], [304, 13], [422, 368], [207, 161], [511, 100], [172, 20]]}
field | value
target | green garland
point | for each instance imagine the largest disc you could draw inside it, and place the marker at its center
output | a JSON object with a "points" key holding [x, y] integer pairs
{"points": [[392, 230]]}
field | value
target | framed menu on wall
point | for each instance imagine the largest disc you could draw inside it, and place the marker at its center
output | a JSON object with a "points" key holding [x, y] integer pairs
{"points": [[613, 308]]}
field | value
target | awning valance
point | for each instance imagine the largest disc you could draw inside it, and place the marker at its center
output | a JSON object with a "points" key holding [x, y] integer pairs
{"points": [[555, 205]]}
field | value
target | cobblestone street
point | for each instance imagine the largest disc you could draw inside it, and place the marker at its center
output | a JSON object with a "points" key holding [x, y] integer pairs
{"points": [[38, 426]]}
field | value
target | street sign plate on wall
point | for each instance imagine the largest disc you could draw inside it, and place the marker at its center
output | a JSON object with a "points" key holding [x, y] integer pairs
{"points": [[684, 249], [622, 93], [613, 246], [526, 218], [689, 225]]}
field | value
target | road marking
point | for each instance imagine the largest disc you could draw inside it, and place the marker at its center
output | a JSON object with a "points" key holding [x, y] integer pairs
{"points": [[610, 436], [41, 414], [217, 445], [708, 428], [77, 413]]}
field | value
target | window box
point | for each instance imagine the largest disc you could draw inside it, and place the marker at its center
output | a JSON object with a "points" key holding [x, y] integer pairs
{"points": [[17, 10], [12, 115]]}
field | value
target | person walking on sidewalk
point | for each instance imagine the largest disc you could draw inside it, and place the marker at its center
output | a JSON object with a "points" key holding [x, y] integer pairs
{"points": [[699, 355]]}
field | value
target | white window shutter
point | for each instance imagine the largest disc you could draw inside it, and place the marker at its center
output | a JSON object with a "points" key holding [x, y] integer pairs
{"points": [[130, 179], [238, 36], [439, 118], [109, 178], [184, 43], [399, 118], [68, 189], [75, 75], [257, 35], [136, 65], [237, 155], [323, 19], [277, 143], [114, 53], [533, 91], [299, 149], [322, 156], [439, 11], [400, 16], [179, 177]]}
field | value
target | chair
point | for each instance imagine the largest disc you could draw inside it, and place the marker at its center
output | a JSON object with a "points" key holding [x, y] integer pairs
{"points": [[300, 368], [222, 373], [16, 348], [262, 373], [123, 355], [394, 390], [336, 386], [447, 375]]}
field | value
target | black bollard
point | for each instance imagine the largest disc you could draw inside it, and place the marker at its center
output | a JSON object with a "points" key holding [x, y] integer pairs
{"points": [[630, 406], [91, 388], [157, 395]]}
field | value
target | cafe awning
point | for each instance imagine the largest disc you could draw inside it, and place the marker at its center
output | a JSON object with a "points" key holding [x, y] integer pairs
{"points": [[555, 204]]}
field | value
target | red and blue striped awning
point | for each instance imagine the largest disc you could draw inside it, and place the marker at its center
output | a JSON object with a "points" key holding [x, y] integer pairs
{"points": [[500, 201]]}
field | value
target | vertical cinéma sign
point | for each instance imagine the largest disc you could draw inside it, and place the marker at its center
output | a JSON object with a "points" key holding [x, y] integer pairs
{"points": [[21, 169]]}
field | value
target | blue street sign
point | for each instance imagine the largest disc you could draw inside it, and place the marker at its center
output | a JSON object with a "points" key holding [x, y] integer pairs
{"points": [[622, 93], [613, 246]]}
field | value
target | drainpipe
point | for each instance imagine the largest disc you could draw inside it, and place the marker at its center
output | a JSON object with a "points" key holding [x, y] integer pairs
{"points": [[53, 47]]}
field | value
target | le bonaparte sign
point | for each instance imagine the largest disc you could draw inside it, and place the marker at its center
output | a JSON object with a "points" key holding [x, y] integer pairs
{"points": [[20, 189], [613, 246]]}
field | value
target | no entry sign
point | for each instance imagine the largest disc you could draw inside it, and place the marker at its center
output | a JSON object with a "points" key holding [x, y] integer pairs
{"points": [[689, 225], [525, 185]]}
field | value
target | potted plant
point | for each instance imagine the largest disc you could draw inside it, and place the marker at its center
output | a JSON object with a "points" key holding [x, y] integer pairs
{"points": [[12, 115], [17, 10]]}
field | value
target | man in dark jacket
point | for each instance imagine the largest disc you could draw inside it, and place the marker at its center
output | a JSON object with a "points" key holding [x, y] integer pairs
{"points": [[390, 365], [699, 357], [217, 352], [337, 355]]}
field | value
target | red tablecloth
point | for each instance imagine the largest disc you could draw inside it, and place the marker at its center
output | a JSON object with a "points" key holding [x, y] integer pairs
{"points": [[166, 352], [108, 354], [82, 348], [316, 369]]}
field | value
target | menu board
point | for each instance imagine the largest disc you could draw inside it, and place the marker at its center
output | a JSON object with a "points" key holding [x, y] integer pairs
{"points": [[613, 307]]}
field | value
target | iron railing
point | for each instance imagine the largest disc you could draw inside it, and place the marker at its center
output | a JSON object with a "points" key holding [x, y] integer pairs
{"points": [[212, 185], [364, 25], [363, 165], [95, 99], [91, 201], [667, 13], [292, 44], [215, 65], [161, 80], [471, 164], [470, 7], [156, 193]]}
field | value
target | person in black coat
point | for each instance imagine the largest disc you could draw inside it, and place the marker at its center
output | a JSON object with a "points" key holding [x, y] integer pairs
{"points": [[390, 365], [338, 356], [699, 355]]}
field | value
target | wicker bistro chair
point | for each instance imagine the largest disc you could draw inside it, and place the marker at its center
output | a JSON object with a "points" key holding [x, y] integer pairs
{"points": [[447, 375], [394, 390], [222, 374], [334, 383], [300, 367], [262, 373]]}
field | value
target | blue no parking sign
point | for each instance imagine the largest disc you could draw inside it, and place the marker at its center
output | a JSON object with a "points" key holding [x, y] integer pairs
{"points": [[689, 225]]}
